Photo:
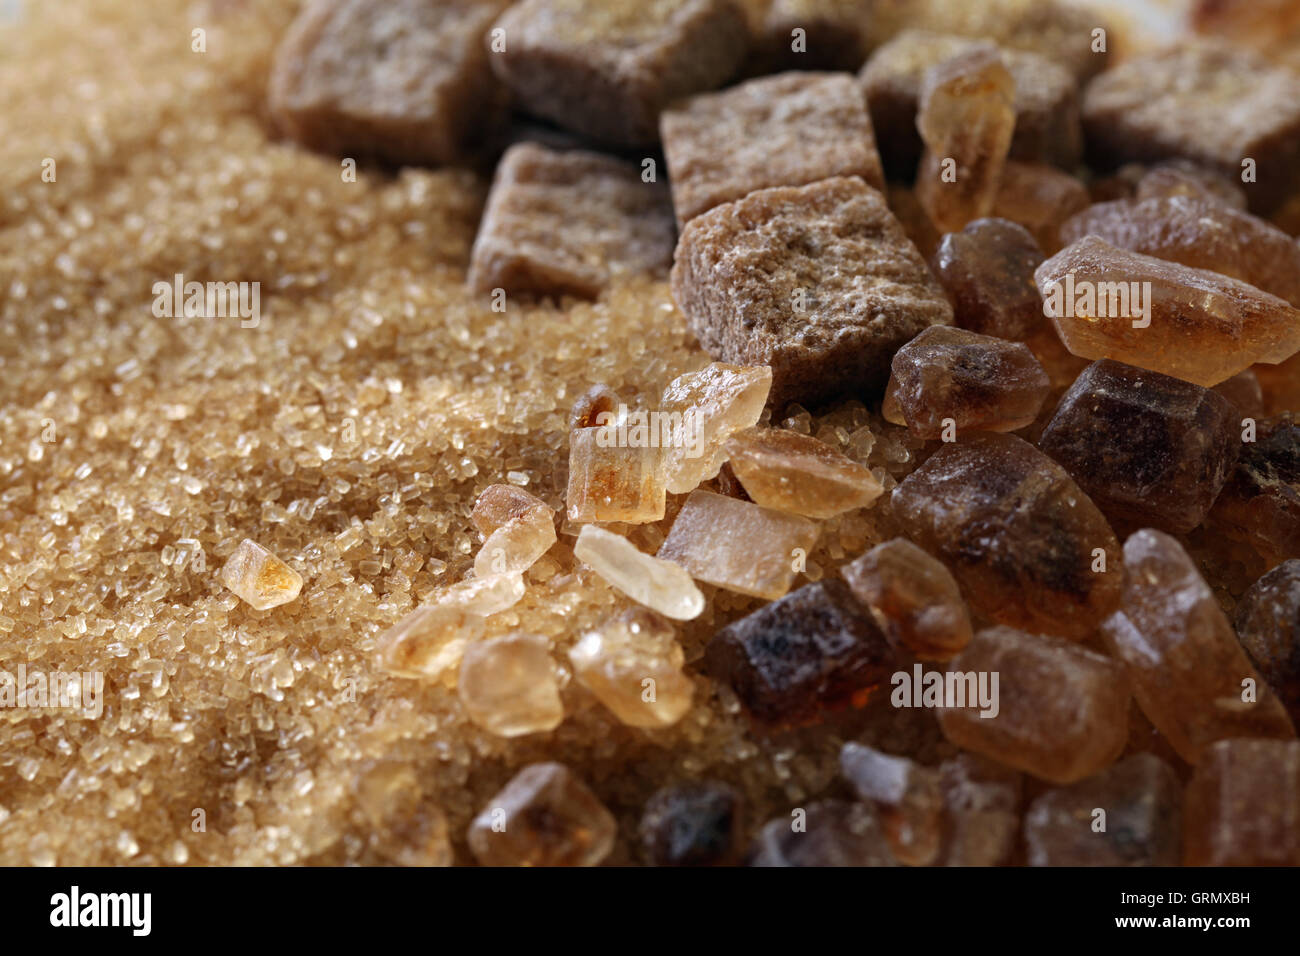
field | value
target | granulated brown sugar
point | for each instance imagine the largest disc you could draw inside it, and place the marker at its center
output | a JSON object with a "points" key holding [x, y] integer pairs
{"points": [[349, 432]]}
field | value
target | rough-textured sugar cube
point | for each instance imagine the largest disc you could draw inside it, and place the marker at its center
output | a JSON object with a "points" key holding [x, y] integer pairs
{"points": [[1023, 539], [738, 545], [607, 68], [792, 661], [1181, 177], [1059, 712], [987, 270], [567, 223], [1210, 103], [1169, 446], [786, 130], [818, 281], [405, 80]]}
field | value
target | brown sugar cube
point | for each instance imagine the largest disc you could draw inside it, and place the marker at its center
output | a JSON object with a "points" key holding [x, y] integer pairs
{"points": [[817, 281], [406, 80], [607, 68], [1209, 103], [1046, 100], [1062, 32], [785, 130], [833, 34], [562, 223]]}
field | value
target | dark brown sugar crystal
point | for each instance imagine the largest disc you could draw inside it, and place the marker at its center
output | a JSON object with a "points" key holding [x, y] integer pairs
{"points": [[1210, 103], [1024, 541], [786, 130], [1203, 234], [987, 269], [607, 68], [1147, 448], [406, 80], [949, 378], [793, 660], [1268, 626], [1046, 99], [697, 823], [567, 222], [1128, 815], [1243, 805], [817, 281], [1260, 504]]}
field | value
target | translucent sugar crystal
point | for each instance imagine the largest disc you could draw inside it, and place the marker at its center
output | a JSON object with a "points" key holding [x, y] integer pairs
{"points": [[948, 377], [711, 405], [697, 823], [914, 598], [484, 596], [1059, 712], [660, 585], [797, 473], [1268, 626], [1195, 324], [1243, 805], [632, 663], [259, 578], [966, 118], [987, 269], [597, 405], [402, 827], [508, 685], [1040, 198], [1028, 547], [1189, 672], [907, 796], [795, 660], [1181, 177], [830, 833], [981, 800], [545, 816], [1142, 800], [497, 505], [1200, 233], [611, 479], [1170, 445], [738, 545], [428, 642], [516, 543], [1260, 504]]}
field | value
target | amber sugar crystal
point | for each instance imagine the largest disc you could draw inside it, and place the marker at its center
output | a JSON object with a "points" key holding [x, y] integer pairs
{"points": [[782, 469], [987, 269], [260, 579]]}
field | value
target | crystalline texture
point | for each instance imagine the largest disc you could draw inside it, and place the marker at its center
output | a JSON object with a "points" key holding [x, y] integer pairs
{"points": [[616, 659], [1188, 670], [508, 687], [1243, 805], [987, 270], [692, 824], [1260, 504], [792, 661], [545, 816], [913, 597], [738, 545], [1017, 533], [660, 585], [976, 382], [1203, 327], [714, 403], [1268, 626], [428, 642], [907, 796], [609, 481], [1169, 446], [798, 474], [259, 578], [835, 833], [1062, 711], [966, 116]]}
